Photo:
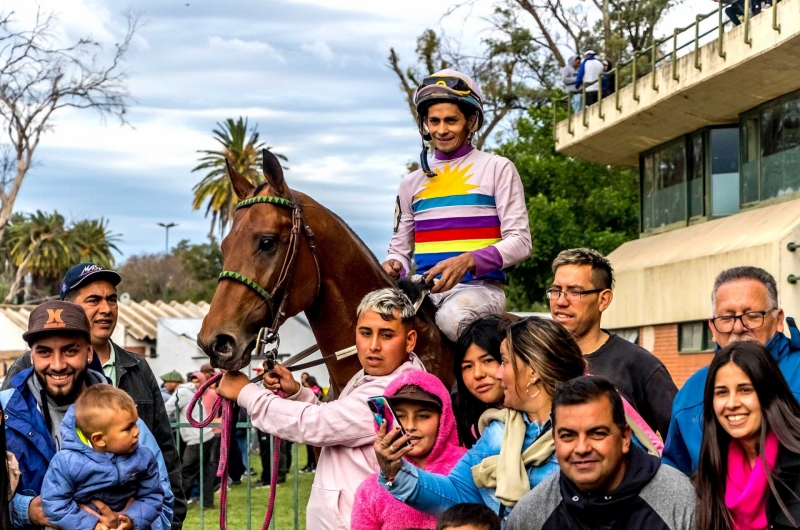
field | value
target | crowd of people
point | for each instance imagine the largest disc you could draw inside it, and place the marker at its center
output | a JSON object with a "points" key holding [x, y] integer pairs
{"points": [[552, 423], [579, 73]]}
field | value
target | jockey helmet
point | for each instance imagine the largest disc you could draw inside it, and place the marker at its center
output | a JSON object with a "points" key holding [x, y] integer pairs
{"points": [[448, 86]]}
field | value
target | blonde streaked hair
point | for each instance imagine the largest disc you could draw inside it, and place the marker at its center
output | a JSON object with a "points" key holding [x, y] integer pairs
{"points": [[385, 302], [547, 347]]}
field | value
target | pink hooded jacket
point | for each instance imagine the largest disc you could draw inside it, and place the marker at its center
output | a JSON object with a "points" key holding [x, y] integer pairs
{"points": [[374, 508], [343, 429]]}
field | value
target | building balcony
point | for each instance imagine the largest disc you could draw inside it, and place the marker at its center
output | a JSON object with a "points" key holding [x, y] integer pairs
{"points": [[711, 85]]}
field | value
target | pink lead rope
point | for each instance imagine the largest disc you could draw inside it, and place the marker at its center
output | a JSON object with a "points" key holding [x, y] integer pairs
{"points": [[228, 423]]}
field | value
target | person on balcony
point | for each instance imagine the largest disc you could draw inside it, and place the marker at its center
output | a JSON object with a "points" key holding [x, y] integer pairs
{"points": [[588, 75], [569, 74]]}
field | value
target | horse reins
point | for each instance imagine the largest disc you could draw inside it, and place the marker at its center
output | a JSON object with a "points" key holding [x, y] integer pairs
{"points": [[266, 336]]}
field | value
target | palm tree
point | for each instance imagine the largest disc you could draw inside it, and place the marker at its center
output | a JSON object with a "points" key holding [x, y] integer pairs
{"points": [[91, 240], [243, 152], [36, 243], [43, 245]]}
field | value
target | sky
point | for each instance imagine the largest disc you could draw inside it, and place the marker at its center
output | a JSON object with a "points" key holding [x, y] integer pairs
{"points": [[312, 74]]}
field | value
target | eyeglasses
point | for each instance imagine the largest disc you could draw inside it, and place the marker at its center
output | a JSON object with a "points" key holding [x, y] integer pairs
{"points": [[454, 83], [570, 294], [750, 321]]}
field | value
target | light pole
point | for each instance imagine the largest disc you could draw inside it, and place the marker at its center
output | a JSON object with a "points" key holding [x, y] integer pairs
{"points": [[167, 226]]}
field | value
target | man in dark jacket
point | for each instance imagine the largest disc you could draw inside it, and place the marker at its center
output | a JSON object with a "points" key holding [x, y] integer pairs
{"points": [[581, 291], [95, 290], [605, 481], [744, 302], [38, 400]]}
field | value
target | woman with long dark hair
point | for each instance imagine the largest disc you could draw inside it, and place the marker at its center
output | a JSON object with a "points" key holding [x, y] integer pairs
{"points": [[749, 471], [477, 358]]}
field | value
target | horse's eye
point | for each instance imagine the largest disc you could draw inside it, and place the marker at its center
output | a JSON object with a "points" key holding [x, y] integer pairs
{"points": [[267, 244]]}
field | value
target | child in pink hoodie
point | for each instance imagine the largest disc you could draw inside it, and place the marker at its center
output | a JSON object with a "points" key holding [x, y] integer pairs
{"points": [[417, 398]]}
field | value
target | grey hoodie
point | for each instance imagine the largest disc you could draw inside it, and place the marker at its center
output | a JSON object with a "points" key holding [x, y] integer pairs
{"points": [[569, 74]]}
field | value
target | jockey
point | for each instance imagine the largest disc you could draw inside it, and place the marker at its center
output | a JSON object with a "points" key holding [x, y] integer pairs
{"points": [[462, 215]]}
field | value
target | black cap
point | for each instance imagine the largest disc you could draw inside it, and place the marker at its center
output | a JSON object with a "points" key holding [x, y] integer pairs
{"points": [[85, 273], [54, 318]]}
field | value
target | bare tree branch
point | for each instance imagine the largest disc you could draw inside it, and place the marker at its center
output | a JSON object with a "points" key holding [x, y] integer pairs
{"points": [[39, 78]]}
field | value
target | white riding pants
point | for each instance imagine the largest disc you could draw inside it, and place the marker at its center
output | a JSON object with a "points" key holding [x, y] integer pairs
{"points": [[465, 303]]}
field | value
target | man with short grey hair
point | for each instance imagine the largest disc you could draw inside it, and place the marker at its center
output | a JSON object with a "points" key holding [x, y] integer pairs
{"points": [[581, 291], [744, 304], [343, 429]]}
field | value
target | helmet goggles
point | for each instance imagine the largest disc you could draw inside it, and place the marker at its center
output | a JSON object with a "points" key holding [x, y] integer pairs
{"points": [[456, 84]]}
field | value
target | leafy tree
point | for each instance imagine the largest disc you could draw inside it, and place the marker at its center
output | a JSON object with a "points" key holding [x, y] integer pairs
{"points": [[571, 203], [241, 148], [189, 272]]}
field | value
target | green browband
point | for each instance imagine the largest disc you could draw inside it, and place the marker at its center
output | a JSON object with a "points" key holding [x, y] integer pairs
{"points": [[278, 201], [230, 275]]}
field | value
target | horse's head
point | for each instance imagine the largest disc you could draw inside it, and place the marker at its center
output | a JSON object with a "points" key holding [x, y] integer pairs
{"points": [[255, 263]]}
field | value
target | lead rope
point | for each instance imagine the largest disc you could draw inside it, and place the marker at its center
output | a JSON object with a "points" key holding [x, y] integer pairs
{"points": [[228, 424]]}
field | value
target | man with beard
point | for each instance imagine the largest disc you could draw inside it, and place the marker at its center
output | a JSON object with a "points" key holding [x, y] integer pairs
{"points": [[744, 305], [95, 289], [35, 405]]}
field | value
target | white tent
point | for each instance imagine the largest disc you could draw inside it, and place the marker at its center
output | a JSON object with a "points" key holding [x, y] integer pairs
{"points": [[177, 348]]}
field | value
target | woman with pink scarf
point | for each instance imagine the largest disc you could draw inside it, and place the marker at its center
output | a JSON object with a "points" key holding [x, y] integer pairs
{"points": [[749, 472]]}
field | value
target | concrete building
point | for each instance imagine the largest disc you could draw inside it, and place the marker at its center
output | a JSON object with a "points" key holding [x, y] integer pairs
{"points": [[716, 136]]}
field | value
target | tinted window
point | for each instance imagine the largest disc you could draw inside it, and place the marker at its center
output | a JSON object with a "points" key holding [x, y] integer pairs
{"points": [[724, 171]]}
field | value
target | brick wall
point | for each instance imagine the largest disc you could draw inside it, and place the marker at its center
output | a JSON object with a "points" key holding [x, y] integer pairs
{"points": [[681, 366]]}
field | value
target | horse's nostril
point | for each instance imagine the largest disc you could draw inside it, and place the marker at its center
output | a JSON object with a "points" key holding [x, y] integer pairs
{"points": [[223, 345]]}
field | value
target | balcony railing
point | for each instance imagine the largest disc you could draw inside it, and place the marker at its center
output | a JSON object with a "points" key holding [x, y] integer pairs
{"points": [[648, 59]]}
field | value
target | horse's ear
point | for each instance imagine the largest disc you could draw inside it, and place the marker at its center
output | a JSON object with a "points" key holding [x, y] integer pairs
{"points": [[273, 171], [241, 186]]}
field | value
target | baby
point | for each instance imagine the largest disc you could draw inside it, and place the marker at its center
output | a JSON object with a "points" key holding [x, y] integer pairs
{"points": [[101, 459]]}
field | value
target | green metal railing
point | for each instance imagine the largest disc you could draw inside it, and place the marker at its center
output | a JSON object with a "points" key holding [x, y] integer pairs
{"points": [[630, 69], [246, 481]]}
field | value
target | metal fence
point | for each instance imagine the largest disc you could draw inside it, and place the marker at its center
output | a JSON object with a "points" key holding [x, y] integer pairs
{"points": [[647, 60], [207, 517]]}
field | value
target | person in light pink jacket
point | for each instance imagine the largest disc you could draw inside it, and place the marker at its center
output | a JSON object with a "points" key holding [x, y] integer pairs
{"points": [[343, 429], [422, 404]]}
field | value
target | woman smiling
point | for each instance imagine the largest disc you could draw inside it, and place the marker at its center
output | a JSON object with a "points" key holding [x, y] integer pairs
{"points": [[477, 359], [749, 472]]}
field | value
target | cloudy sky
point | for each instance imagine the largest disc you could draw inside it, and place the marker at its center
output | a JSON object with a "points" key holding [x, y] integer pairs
{"points": [[312, 74]]}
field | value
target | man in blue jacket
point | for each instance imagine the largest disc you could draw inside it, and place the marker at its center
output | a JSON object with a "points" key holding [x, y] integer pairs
{"points": [[745, 307], [59, 337]]}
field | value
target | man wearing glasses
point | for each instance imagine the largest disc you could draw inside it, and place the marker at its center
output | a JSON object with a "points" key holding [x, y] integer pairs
{"points": [[744, 302], [581, 291]]}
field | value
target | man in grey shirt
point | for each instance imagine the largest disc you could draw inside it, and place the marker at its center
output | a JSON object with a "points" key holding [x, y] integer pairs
{"points": [[605, 481]]}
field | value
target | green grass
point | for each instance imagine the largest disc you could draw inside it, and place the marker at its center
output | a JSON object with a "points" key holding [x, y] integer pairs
{"points": [[237, 502]]}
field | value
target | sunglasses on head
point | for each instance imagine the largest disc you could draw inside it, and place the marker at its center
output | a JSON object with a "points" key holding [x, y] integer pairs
{"points": [[454, 83]]}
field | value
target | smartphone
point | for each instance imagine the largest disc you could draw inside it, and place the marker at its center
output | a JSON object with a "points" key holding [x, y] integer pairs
{"points": [[382, 410]]}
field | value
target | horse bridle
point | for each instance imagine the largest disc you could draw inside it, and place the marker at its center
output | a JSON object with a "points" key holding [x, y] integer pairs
{"points": [[269, 335]]}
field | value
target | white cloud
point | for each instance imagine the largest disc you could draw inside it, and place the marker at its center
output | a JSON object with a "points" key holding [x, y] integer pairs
{"points": [[251, 47], [320, 50]]}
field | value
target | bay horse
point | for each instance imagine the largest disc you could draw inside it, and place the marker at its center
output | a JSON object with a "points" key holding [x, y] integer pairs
{"points": [[284, 246]]}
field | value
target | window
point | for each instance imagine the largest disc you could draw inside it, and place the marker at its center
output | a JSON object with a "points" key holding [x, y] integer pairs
{"points": [[697, 175], [770, 141], [694, 337], [750, 156], [664, 186], [629, 334], [724, 148]]}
